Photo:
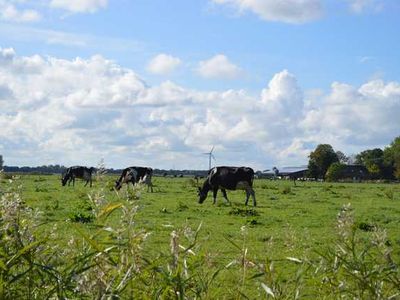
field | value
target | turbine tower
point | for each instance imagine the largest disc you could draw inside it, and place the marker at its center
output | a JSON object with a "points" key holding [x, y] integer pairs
{"points": [[210, 155]]}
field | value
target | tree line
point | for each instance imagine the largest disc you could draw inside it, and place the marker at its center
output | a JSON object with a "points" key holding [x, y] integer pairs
{"points": [[326, 163], [60, 169]]}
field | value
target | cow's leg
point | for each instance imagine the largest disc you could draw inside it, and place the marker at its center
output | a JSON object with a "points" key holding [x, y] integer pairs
{"points": [[215, 191], [253, 195], [247, 196], [90, 182], [249, 191], [86, 183], [247, 188], [225, 195]]}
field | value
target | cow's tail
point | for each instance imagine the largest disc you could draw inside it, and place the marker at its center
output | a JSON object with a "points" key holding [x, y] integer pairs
{"points": [[251, 177]]}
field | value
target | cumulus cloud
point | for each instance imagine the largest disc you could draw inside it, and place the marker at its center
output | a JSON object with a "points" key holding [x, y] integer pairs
{"points": [[77, 111], [357, 116], [163, 64], [289, 11], [9, 12], [218, 67], [79, 6], [283, 97]]}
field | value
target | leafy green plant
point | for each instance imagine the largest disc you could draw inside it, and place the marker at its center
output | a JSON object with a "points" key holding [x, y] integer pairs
{"points": [[82, 217], [357, 268], [20, 248], [182, 273], [335, 171], [243, 212]]}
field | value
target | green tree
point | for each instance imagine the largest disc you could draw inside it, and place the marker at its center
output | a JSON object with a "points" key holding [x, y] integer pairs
{"points": [[391, 156], [342, 157], [335, 171], [373, 160], [313, 170], [320, 160]]}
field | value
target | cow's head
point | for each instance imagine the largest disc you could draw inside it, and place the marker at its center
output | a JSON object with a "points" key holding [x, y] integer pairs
{"points": [[118, 185], [64, 180], [202, 195]]}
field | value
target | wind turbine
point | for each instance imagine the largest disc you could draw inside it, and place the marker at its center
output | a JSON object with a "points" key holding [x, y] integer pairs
{"points": [[210, 155]]}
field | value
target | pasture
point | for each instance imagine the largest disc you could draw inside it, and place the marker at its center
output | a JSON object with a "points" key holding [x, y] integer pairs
{"points": [[299, 242]]}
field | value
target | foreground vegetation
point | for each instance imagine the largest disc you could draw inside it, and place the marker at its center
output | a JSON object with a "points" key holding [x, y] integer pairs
{"points": [[303, 241]]}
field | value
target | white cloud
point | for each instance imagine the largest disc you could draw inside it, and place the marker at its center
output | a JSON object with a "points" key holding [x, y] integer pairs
{"points": [[163, 64], [79, 6], [76, 40], [359, 6], [78, 111], [9, 12], [167, 93], [365, 59], [289, 11], [354, 118], [218, 67], [283, 98]]}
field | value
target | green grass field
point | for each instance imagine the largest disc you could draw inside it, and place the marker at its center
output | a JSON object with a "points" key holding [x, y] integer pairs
{"points": [[289, 246]]}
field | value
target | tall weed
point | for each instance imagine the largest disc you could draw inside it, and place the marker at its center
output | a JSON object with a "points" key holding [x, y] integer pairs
{"points": [[106, 259], [356, 267]]}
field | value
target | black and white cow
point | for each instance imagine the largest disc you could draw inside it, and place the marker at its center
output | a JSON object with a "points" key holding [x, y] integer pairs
{"points": [[78, 172], [228, 178], [135, 175]]}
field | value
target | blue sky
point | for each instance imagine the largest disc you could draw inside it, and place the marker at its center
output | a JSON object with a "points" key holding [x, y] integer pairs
{"points": [[264, 81]]}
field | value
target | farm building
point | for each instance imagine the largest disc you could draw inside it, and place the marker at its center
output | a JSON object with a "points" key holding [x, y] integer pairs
{"points": [[287, 172], [293, 172], [354, 172]]}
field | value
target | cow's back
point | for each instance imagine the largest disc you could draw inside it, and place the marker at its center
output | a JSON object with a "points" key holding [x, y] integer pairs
{"points": [[77, 171], [229, 177], [138, 172]]}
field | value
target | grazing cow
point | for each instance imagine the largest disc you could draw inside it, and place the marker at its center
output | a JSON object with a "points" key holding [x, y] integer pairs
{"points": [[228, 178], [77, 172], [135, 175]]}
